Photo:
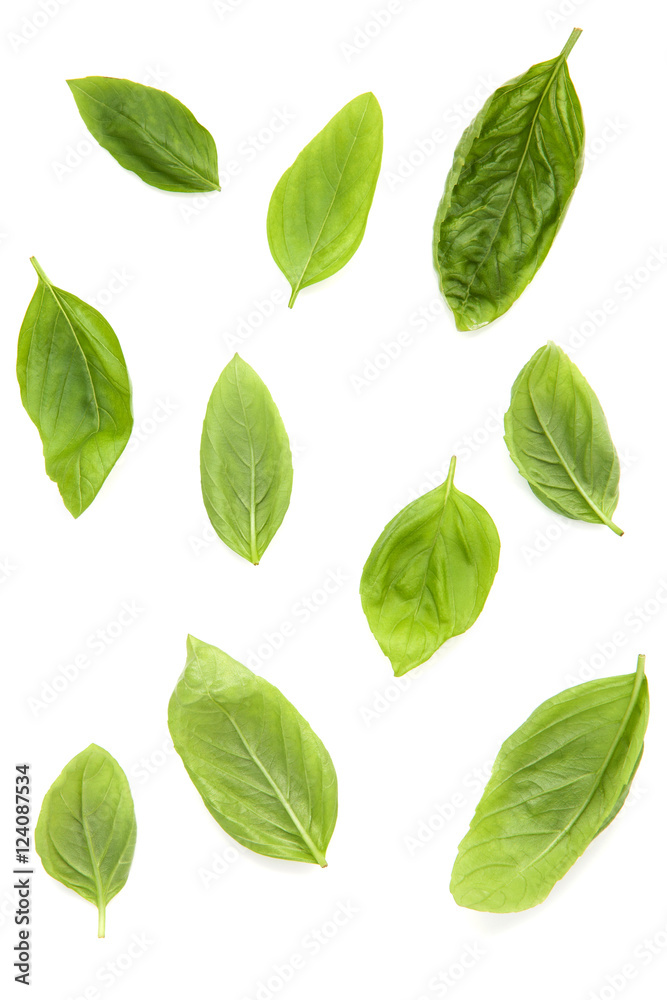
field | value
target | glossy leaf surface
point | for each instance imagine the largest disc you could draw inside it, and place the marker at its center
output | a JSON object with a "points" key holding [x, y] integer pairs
{"points": [[514, 172]]}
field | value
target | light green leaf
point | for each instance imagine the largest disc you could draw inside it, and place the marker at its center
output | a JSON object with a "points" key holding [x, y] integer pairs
{"points": [[76, 390], [557, 782], [319, 209], [558, 438], [86, 830], [246, 462], [263, 774], [149, 132], [515, 170], [429, 574]]}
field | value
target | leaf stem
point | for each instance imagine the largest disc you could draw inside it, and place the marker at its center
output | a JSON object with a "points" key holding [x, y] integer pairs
{"points": [[35, 264], [101, 918], [614, 527], [450, 473], [295, 292], [641, 661], [570, 43]]}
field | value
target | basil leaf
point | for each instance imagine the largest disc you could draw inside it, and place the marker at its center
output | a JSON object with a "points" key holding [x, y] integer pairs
{"points": [[559, 440], [557, 782], [246, 462], [515, 170], [319, 209], [86, 830], [76, 390], [429, 574], [149, 132], [263, 774]]}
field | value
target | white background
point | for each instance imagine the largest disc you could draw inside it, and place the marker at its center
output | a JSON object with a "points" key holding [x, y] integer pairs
{"points": [[194, 270]]}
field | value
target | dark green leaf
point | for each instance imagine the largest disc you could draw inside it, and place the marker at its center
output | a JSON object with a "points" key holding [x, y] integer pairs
{"points": [[149, 132], [76, 390], [515, 170]]}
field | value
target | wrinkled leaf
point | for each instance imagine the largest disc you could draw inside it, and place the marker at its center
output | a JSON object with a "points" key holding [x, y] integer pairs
{"points": [[429, 574], [558, 438], [76, 390], [86, 830], [515, 170], [319, 209], [557, 782], [149, 132], [246, 462], [263, 774]]}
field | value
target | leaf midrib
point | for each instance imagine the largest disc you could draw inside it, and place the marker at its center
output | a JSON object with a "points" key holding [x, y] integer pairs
{"points": [[166, 149], [560, 60], [317, 855], [297, 288], [634, 697], [604, 519]]}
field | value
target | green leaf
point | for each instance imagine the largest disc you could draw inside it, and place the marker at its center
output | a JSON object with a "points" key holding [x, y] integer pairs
{"points": [[86, 830], [429, 574], [559, 440], [319, 209], [263, 774], [515, 170], [149, 132], [246, 462], [76, 390], [557, 782]]}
